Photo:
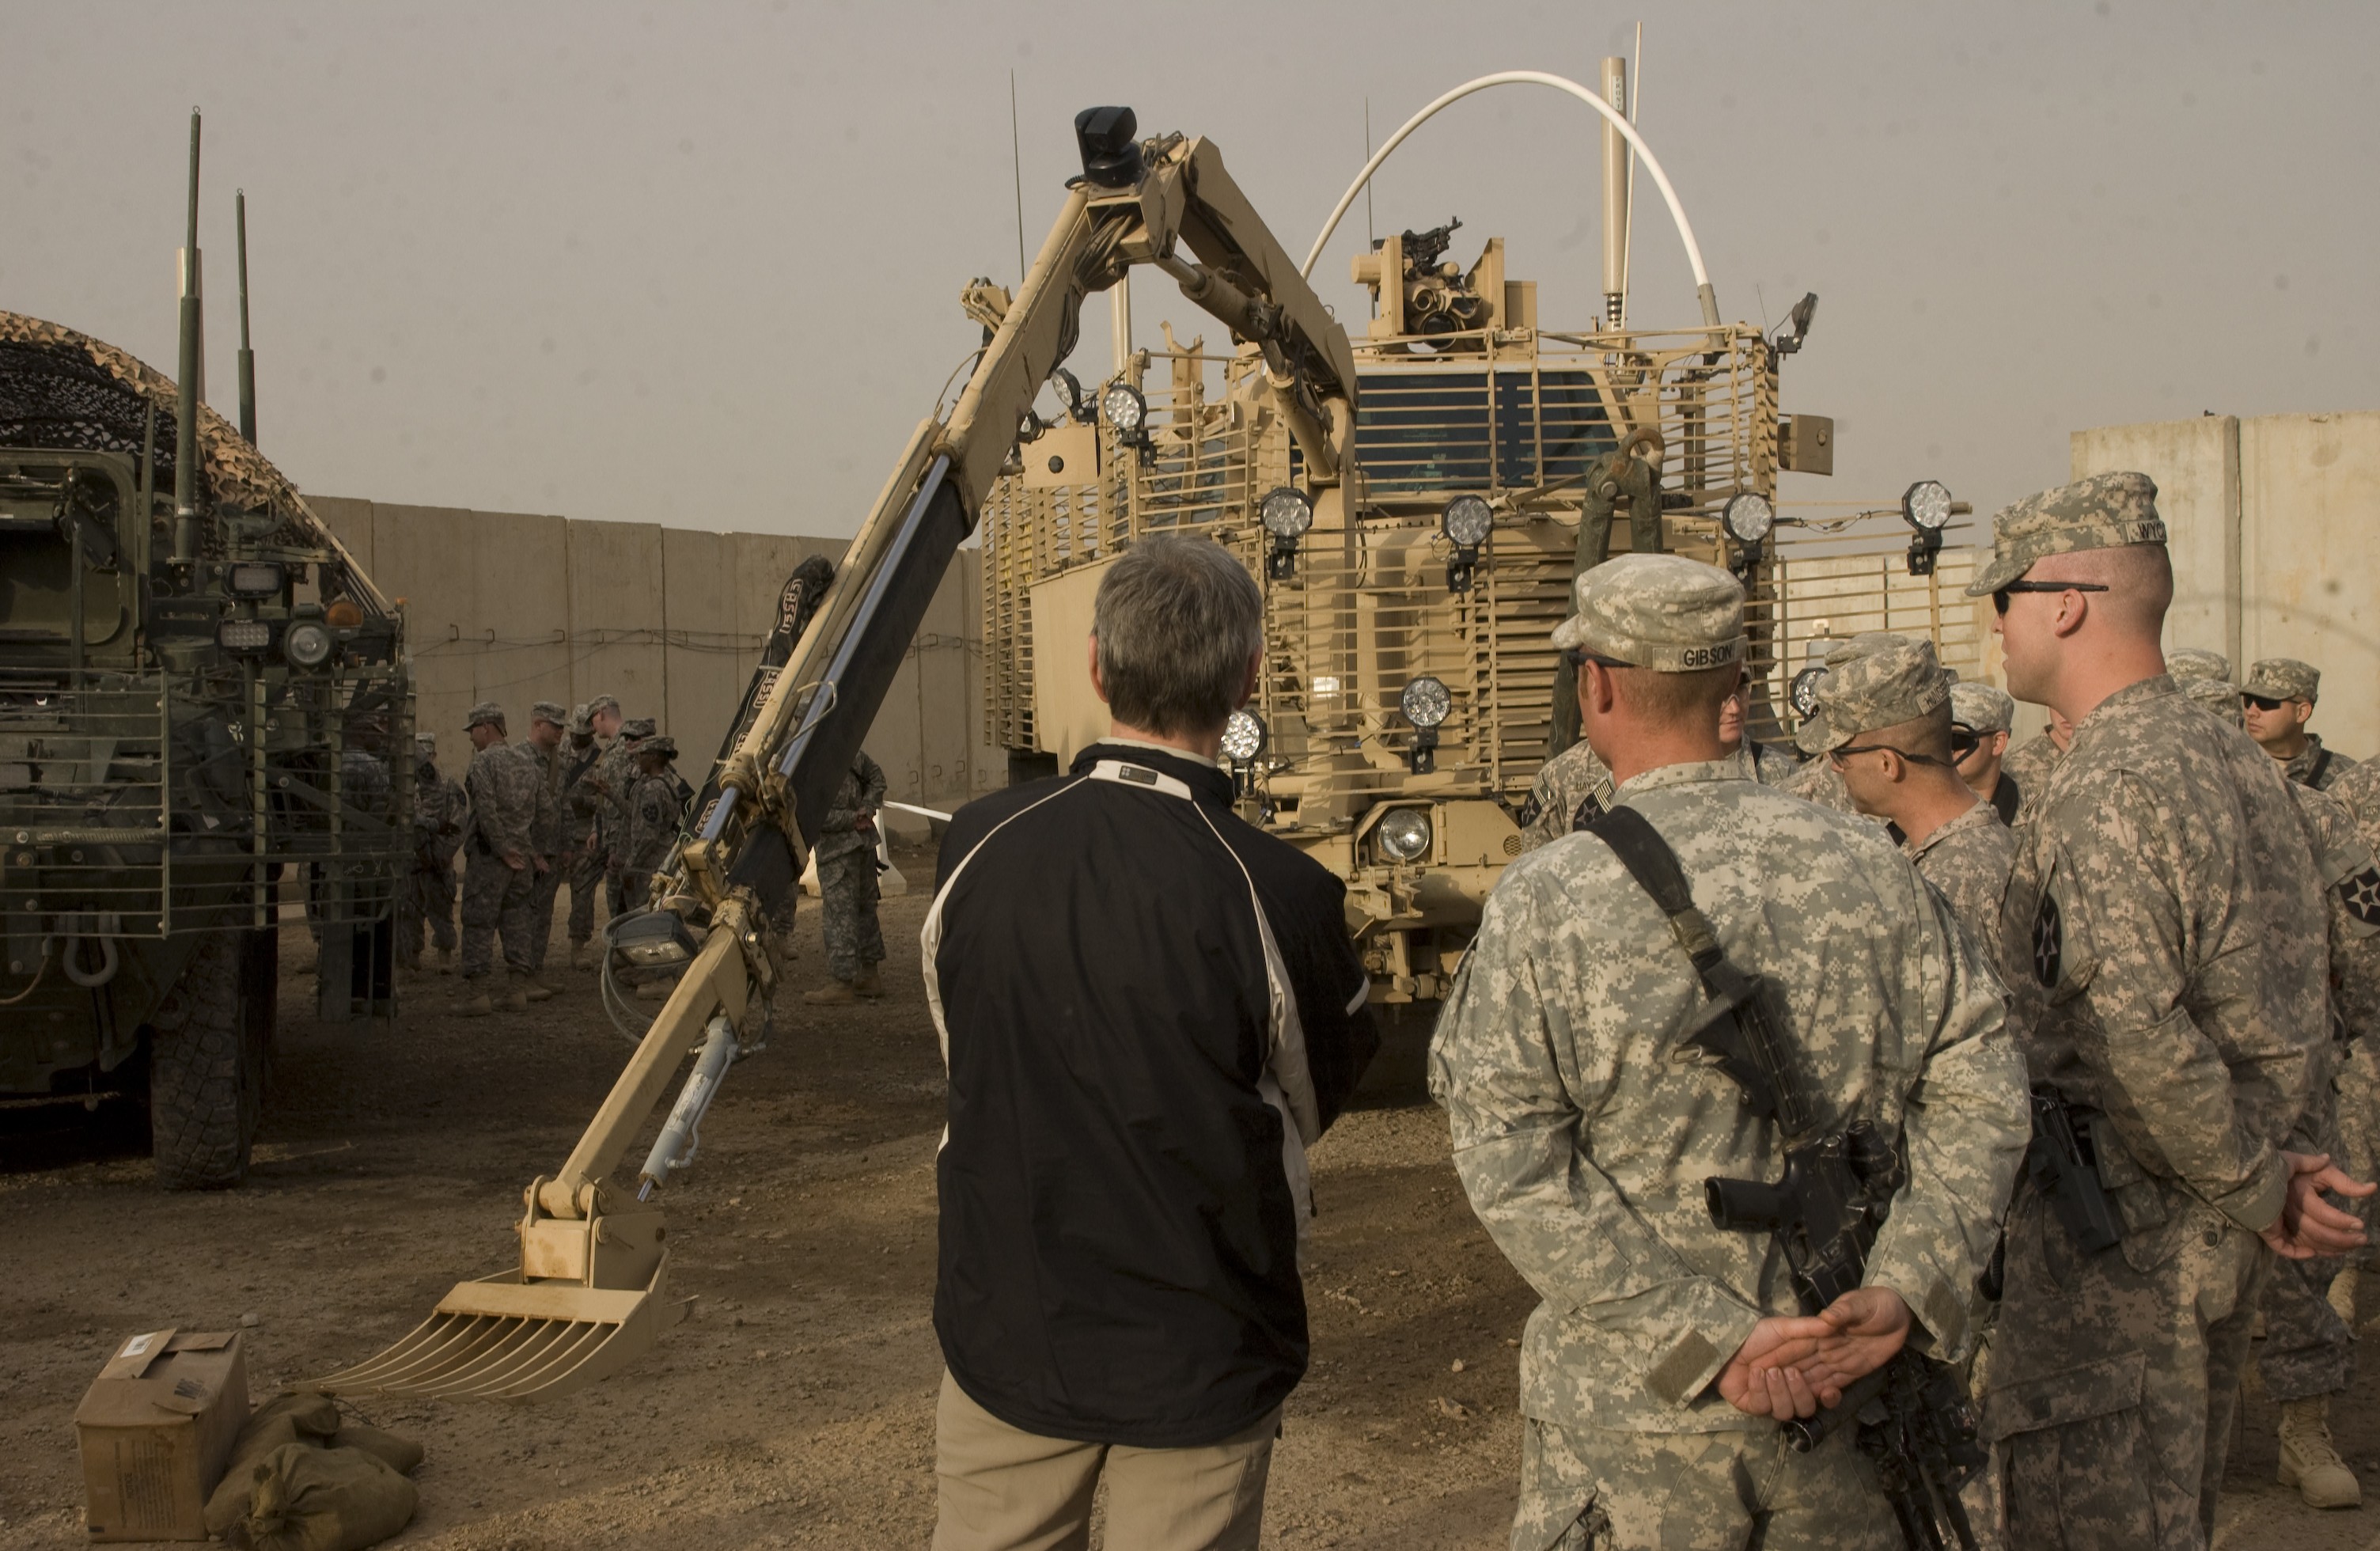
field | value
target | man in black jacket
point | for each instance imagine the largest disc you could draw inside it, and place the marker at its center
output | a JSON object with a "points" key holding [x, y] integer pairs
{"points": [[1149, 1009]]}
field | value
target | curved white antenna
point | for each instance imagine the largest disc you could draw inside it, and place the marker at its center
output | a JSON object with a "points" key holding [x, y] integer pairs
{"points": [[1703, 291]]}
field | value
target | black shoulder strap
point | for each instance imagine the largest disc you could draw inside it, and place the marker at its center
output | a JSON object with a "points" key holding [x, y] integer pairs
{"points": [[1655, 867], [2314, 773]]}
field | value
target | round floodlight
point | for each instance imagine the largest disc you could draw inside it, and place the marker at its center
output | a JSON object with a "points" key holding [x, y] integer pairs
{"points": [[1243, 737], [1426, 701], [307, 644], [1466, 521], [1069, 391], [1404, 834], [1926, 505], [1124, 408], [1748, 517], [1803, 691], [1286, 512]]}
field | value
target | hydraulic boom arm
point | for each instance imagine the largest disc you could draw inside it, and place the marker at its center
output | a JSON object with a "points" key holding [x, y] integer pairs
{"points": [[587, 1297]]}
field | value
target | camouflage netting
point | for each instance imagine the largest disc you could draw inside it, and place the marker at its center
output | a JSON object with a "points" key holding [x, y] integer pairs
{"points": [[62, 389]]}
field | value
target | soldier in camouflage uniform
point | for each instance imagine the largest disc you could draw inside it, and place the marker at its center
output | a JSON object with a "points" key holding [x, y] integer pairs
{"points": [[1980, 715], [2279, 697], [2190, 665], [2032, 762], [1887, 718], [846, 879], [542, 750], [1574, 788], [499, 866], [1771, 766], [439, 811], [611, 777], [2308, 1354], [1818, 781], [2164, 937], [582, 806], [1653, 1373], [656, 804]]}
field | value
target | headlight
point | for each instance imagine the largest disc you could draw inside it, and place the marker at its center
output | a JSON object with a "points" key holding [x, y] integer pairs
{"points": [[255, 578], [1925, 506], [1404, 834], [1069, 391], [1244, 736], [1285, 512], [1748, 517], [1466, 521], [1126, 410], [307, 644], [1426, 701], [244, 635], [1803, 693]]}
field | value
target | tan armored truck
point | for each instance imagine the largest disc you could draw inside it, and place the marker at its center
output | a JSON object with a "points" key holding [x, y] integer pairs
{"points": [[203, 703]]}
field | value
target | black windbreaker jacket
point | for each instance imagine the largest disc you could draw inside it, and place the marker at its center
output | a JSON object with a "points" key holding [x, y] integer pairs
{"points": [[1149, 1009]]}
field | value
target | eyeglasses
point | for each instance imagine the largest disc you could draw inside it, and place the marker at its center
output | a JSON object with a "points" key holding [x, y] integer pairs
{"points": [[2262, 703], [1964, 741], [1838, 754], [2000, 597]]}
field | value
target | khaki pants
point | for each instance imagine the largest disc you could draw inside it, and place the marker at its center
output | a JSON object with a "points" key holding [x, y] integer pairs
{"points": [[1004, 1489]]}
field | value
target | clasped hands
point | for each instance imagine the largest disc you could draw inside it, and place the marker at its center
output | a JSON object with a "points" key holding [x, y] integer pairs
{"points": [[2309, 1226], [1791, 1366]]}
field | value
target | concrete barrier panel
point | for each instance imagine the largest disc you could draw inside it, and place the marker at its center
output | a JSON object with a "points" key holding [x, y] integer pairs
{"points": [[2196, 466], [2309, 495], [616, 616]]}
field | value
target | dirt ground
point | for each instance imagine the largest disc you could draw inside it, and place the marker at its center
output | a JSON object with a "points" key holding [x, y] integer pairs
{"points": [[795, 1407]]}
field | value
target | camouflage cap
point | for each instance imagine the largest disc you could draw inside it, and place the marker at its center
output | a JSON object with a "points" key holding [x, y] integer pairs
{"points": [[2196, 663], [661, 746], [486, 712], [2104, 512], [1882, 689], [1661, 611], [2284, 678], [641, 728], [600, 704], [1867, 643], [549, 711], [2215, 695], [580, 722], [1980, 708], [426, 741]]}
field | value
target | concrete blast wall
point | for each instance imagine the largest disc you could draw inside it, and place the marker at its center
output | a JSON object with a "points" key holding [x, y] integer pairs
{"points": [[2275, 528], [515, 608]]}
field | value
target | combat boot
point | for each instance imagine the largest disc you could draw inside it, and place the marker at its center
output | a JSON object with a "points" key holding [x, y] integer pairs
{"points": [[516, 992], [443, 960], [480, 1004], [538, 982], [2342, 1293], [582, 956], [867, 984], [2310, 1462], [836, 994]]}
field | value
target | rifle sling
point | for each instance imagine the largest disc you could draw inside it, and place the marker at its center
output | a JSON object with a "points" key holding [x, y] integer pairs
{"points": [[1655, 867]]}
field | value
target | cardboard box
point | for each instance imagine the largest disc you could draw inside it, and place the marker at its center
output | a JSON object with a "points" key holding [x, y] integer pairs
{"points": [[157, 1428]]}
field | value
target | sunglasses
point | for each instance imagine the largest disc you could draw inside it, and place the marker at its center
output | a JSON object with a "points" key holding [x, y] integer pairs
{"points": [[1840, 755], [2260, 703], [2000, 597], [1964, 741]]}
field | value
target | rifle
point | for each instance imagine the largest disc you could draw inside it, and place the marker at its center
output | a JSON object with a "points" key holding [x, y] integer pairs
{"points": [[1916, 1424], [2063, 1168]]}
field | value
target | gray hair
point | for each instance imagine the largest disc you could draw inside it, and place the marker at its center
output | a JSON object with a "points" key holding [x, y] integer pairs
{"points": [[1176, 620]]}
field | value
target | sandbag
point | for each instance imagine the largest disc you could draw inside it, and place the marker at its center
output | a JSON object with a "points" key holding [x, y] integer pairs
{"points": [[306, 1498], [307, 1418], [399, 1454]]}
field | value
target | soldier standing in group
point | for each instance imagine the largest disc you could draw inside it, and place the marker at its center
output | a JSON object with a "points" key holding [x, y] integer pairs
{"points": [[439, 811], [614, 774], [582, 822], [543, 752], [2030, 763], [1888, 735], [845, 853], [2279, 697], [499, 866], [1818, 781], [1980, 717], [1574, 788], [656, 804], [1771, 766], [1654, 1374], [2163, 936]]}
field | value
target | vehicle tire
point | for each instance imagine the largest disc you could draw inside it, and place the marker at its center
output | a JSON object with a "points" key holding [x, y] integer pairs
{"points": [[205, 1071]]}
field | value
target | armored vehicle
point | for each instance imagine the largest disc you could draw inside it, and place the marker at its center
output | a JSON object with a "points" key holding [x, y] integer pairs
{"points": [[203, 701], [1415, 568]]}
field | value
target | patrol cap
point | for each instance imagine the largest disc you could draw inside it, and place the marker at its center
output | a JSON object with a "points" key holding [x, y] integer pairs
{"points": [[1980, 708], [487, 712], [425, 743], [2283, 678], [2196, 663], [2104, 512], [2215, 695], [641, 727], [1867, 643], [579, 722], [600, 704], [1882, 689], [1811, 736], [664, 745], [1661, 611], [549, 711]]}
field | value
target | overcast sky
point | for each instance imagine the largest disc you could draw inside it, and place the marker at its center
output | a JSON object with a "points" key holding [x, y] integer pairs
{"points": [[699, 263]]}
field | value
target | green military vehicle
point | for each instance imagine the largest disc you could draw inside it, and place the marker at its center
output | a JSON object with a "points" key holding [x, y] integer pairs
{"points": [[203, 703]]}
